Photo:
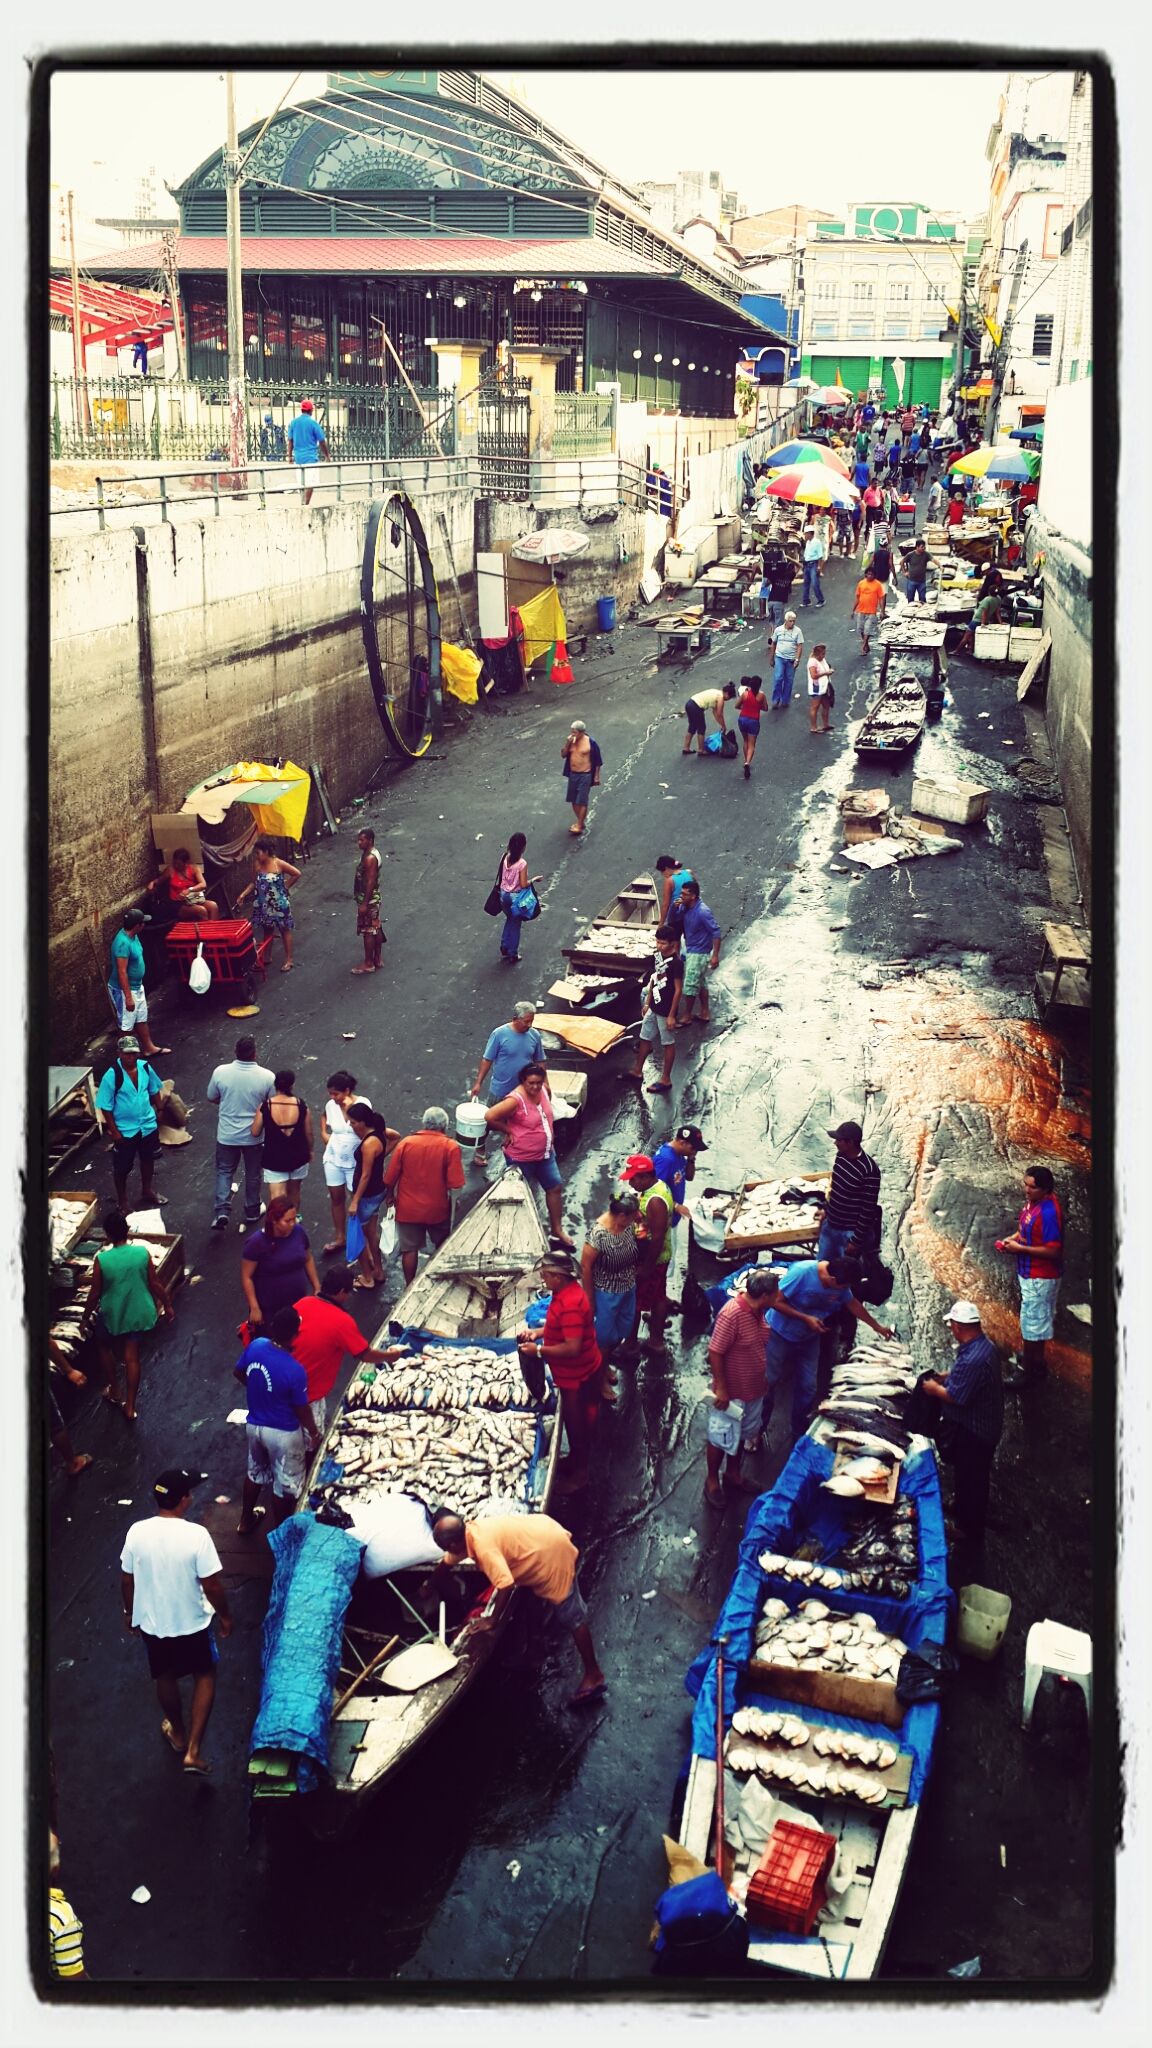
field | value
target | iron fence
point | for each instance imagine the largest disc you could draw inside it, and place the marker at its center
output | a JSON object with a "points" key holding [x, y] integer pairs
{"points": [[503, 438], [188, 420], [584, 423]]}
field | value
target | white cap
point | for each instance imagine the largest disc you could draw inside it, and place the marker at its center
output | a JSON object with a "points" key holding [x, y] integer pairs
{"points": [[963, 1312]]}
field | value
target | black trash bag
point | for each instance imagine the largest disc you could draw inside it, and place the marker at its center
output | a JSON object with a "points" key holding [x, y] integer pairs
{"points": [[922, 1674], [729, 746], [694, 1302]]}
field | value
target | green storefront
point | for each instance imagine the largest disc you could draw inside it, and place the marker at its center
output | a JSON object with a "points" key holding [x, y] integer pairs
{"points": [[923, 375]]}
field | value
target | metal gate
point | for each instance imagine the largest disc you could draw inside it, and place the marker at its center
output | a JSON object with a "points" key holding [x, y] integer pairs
{"points": [[504, 409]]}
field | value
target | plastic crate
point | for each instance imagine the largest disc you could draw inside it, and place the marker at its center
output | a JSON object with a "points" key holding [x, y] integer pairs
{"points": [[946, 797], [788, 1890]]}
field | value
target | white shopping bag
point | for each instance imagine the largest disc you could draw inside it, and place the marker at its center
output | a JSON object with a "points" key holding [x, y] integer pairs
{"points": [[200, 974]]}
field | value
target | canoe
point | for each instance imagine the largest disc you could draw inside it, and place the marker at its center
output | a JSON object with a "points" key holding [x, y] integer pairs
{"points": [[895, 721], [618, 937], [873, 1841], [472, 1294]]}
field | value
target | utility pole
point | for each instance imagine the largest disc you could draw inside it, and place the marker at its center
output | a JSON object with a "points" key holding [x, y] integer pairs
{"points": [[169, 247], [237, 404], [1004, 346], [79, 367]]}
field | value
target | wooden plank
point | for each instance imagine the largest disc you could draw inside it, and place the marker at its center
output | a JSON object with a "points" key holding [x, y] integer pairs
{"points": [[871, 1940], [699, 1807], [1031, 668], [1069, 947]]}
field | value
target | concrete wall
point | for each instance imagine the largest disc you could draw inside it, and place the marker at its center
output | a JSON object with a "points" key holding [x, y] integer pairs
{"points": [[1068, 705], [1066, 472]]}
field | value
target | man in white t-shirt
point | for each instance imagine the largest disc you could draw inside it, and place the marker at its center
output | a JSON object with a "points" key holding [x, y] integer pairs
{"points": [[170, 1585]]}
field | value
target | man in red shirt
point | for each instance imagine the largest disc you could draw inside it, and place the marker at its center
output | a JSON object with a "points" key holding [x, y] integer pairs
{"points": [[424, 1171], [737, 1356], [955, 512], [327, 1331]]}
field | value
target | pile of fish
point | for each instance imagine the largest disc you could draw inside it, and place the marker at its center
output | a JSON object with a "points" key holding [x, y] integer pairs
{"points": [[775, 1205], [632, 942], [884, 1542], [454, 1460], [843, 1766], [444, 1382], [65, 1218], [816, 1638], [870, 1390]]}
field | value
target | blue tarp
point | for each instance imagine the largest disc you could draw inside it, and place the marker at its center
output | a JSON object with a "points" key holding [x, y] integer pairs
{"points": [[777, 1521], [316, 1569], [723, 1290]]}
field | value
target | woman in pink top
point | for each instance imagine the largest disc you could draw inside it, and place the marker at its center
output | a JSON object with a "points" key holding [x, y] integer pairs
{"points": [[513, 876], [525, 1117]]}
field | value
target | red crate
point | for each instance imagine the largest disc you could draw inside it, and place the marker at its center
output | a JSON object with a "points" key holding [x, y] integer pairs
{"points": [[788, 1889], [229, 943]]}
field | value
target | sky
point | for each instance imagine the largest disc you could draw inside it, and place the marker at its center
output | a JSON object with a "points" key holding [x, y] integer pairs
{"points": [[108, 127]]}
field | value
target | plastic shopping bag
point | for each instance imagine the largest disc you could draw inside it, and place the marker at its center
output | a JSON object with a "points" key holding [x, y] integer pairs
{"points": [[353, 1238], [389, 1235], [200, 974]]}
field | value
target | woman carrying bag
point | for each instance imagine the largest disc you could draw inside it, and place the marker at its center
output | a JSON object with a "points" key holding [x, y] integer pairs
{"points": [[376, 1140], [516, 896]]}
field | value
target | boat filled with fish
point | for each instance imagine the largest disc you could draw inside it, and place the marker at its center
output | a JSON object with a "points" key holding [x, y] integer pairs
{"points": [[811, 1695], [363, 1658], [895, 721]]}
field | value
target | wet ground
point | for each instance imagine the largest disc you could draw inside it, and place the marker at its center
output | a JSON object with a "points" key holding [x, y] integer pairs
{"points": [[524, 1844]]}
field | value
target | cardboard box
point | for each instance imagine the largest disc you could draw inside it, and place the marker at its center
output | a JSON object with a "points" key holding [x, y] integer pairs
{"points": [[861, 1699]]}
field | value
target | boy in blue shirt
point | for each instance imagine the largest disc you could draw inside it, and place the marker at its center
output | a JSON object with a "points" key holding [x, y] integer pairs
{"points": [[814, 1290], [280, 1420]]}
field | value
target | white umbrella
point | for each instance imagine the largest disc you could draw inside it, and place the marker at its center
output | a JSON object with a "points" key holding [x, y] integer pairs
{"points": [[551, 544]]}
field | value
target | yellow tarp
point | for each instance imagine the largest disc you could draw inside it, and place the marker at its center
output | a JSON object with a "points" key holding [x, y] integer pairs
{"points": [[460, 671], [283, 819], [543, 621]]}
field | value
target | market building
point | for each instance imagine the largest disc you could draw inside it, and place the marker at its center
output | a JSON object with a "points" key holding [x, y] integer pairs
{"points": [[1017, 280], [882, 293]]}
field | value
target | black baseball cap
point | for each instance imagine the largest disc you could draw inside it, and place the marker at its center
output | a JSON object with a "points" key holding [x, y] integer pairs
{"points": [[691, 1134], [174, 1482], [848, 1130]]}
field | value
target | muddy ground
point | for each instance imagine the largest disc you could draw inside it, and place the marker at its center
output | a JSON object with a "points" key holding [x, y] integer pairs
{"points": [[902, 997]]}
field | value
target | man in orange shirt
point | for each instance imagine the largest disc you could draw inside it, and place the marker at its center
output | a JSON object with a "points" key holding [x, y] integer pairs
{"points": [[868, 609], [424, 1170], [532, 1551]]}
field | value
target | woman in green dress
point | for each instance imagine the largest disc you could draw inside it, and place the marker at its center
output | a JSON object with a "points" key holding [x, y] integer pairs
{"points": [[124, 1302]]}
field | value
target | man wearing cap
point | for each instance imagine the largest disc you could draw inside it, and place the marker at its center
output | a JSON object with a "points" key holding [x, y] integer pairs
{"points": [[170, 1587], [811, 1291], [306, 441], [969, 1396], [126, 982], [849, 1222], [654, 1236], [127, 1095], [582, 761], [675, 1164]]}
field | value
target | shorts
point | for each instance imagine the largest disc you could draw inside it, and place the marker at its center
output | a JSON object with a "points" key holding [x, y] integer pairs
{"points": [[129, 1019], [126, 1150], [695, 715], [276, 1456], [369, 1207], [542, 1173], [1037, 1308], [104, 1335], [652, 1289], [615, 1315], [695, 968], [278, 1175], [411, 1236], [191, 1656], [748, 726], [656, 1027], [572, 1612], [579, 787], [320, 1413], [737, 1425], [865, 622], [367, 917], [336, 1176]]}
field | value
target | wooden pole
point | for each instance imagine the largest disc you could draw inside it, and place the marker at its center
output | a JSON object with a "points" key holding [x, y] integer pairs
{"points": [[439, 446], [720, 1844]]}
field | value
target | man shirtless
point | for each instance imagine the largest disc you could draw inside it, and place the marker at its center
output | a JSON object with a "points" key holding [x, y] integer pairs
{"points": [[582, 764]]}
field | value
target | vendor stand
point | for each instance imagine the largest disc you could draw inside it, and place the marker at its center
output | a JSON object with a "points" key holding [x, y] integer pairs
{"points": [[73, 1118]]}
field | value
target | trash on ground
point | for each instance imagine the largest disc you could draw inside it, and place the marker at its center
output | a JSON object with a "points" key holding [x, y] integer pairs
{"points": [[968, 1969], [141, 1895], [1082, 1310], [513, 1869], [649, 1596]]}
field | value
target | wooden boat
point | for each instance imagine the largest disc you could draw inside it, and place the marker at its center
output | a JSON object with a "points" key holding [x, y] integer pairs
{"points": [[476, 1287], [895, 721], [617, 939], [877, 1840]]}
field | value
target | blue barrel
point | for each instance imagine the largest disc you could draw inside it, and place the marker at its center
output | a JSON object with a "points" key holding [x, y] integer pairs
{"points": [[606, 607]]}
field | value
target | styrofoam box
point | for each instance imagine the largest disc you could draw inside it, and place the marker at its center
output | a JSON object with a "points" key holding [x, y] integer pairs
{"points": [[991, 643], [958, 803]]}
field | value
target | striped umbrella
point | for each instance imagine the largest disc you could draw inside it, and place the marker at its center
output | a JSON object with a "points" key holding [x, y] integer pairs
{"points": [[809, 483], [830, 394], [791, 452]]}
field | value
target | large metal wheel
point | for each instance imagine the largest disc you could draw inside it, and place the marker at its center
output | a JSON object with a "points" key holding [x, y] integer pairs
{"points": [[400, 619]]}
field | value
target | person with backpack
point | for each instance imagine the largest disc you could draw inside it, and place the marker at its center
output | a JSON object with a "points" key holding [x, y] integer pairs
{"points": [[128, 1094]]}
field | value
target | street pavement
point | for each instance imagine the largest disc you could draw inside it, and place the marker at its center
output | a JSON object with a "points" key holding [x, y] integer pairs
{"points": [[523, 1845]]}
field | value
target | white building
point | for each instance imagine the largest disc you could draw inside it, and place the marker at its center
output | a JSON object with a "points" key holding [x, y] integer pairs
{"points": [[1017, 286], [881, 290], [690, 195]]}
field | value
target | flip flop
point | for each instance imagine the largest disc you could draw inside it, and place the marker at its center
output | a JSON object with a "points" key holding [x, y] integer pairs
{"points": [[327, 1251], [172, 1739], [660, 1088], [712, 1500], [287, 967], [362, 970], [588, 1697], [156, 1052], [198, 1770], [365, 1286]]}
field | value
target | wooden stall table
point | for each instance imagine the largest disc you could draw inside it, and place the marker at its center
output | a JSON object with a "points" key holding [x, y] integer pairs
{"points": [[73, 1118], [718, 585], [1067, 984], [913, 636]]}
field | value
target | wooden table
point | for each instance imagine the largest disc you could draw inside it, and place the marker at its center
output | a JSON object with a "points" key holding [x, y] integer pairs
{"points": [[926, 637], [684, 639], [1067, 983]]}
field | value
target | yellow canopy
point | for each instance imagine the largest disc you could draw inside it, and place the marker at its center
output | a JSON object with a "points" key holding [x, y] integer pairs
{"points": [[282, 817], [543, 621]]}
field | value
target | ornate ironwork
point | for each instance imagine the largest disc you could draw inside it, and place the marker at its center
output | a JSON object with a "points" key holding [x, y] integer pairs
{"points": [[503, 436], [188, 421]]}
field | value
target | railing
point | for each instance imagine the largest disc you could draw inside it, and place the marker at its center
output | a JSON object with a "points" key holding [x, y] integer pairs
{"points": [[584, 423], [146, 418]]}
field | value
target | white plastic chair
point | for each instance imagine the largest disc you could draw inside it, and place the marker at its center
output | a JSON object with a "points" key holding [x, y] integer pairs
{"points": [[1066, 1651]]}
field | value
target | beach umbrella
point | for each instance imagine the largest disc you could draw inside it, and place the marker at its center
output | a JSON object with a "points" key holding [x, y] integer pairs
{"points": [[830, 394], [975, 463], [791, 452], [1013, 466], [1035, 433], [809, 483], [550, 544]]}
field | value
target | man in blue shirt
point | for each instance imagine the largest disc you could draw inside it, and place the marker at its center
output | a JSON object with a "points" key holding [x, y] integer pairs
{"points": [[127, 1095], [280, 1421], [968, 1396], [306, 441], [701, 935], [814, 1290], [241, 1088], [509, 1049], [861, 474]]}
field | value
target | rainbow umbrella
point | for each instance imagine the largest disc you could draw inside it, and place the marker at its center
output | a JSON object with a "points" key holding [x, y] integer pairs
{"points": [[809, 483], [976, 462], [791, 452]]}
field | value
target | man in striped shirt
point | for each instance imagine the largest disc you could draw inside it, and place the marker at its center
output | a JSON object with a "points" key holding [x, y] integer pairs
{"points": [[849, 1225]]}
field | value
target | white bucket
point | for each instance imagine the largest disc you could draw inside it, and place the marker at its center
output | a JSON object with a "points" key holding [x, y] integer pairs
{"points": [[981, 1621], [470, 1124]]}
